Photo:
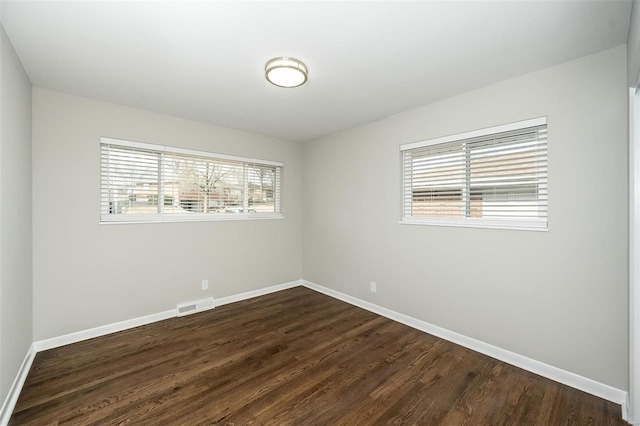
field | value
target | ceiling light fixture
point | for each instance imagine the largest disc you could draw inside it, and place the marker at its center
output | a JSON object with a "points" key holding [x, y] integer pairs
{"points": [[286, 72]]}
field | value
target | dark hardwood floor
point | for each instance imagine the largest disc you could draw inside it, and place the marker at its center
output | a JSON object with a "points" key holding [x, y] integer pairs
{"points": [[293, 357]]}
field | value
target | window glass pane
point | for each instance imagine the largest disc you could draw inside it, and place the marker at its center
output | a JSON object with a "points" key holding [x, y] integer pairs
{"points": [[438, 179], [197, 185], [130, 181], [505, 176], [262, 188]]}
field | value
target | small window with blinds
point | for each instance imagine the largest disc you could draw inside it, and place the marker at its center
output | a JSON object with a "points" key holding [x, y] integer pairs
{"points": [[151, 183], [489, 178]]}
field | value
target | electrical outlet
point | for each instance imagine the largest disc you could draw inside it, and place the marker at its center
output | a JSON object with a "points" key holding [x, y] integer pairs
{"points": [[205, 284], [373, 287]]}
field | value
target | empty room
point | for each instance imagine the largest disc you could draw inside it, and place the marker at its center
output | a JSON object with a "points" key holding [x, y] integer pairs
{"points": [[320, 212]]}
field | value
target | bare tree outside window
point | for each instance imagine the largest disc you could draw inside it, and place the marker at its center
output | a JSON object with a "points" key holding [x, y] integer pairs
{"points": [[204, 186]]}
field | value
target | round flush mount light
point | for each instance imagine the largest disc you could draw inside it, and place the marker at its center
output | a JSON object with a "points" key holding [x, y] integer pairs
{"points": [[286, 72]]}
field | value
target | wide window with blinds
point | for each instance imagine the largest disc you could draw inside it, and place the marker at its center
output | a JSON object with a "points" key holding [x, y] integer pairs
{"points": [[151, 183], [489, 178]]}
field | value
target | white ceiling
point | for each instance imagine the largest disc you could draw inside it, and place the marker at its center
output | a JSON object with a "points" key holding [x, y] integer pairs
{"points": [[367, 60]]}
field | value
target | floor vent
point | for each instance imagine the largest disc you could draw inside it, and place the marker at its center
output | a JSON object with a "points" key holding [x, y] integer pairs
{"points": [[196, 306]]}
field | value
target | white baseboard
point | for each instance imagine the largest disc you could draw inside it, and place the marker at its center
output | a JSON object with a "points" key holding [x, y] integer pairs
{"points": [[625, 411], [14, 392], [550, 372], [78, 336], [255, 293], [54, 342]]}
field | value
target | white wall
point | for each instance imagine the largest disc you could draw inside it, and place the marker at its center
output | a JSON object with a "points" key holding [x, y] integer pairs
{"points": [[15, 216], [86, 275], [633, 45], [560, 296]]}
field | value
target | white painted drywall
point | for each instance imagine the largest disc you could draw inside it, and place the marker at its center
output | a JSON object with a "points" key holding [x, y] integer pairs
{"points": [[633, 45], [15, 216], [87, 275], [560, 296]]}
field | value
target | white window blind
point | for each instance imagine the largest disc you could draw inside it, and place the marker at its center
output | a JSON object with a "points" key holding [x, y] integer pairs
{"points": [[493, 178], [151, 183]]}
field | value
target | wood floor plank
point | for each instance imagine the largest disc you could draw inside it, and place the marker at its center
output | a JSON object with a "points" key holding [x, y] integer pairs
{"points": [[293, 357]]}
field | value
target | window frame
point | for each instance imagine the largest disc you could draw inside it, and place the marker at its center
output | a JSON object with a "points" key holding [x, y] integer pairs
{"points": [[511, 223], [110, 218]]}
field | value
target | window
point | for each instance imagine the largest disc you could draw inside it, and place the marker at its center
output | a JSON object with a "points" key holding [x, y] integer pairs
{"points": [[490, 178], [152, 183]]}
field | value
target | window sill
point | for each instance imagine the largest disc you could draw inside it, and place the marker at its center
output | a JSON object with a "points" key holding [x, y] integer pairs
{"points": [[513, 225], [226, 218]]}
